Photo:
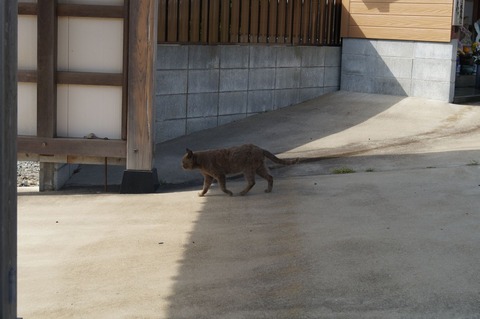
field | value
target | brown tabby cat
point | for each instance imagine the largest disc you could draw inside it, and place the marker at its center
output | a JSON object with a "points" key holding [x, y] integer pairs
{"points": [[216, 164]]}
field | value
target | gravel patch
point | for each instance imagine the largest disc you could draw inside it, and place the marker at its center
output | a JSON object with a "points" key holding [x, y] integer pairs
{"points": [[28, 173]]}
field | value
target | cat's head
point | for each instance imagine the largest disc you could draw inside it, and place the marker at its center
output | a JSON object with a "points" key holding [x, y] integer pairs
{"points": [[188, 160]]}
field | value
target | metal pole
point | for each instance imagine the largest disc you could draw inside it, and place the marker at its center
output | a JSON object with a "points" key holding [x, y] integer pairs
{"points": [[8, 159]]}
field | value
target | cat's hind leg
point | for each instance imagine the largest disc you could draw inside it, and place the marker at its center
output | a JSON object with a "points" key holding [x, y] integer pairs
{"points": [[250, 178], [207, 181], [222, 183], [262, 171]]}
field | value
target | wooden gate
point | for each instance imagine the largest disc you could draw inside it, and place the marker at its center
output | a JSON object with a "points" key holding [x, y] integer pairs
{"points": [[132, 81]]}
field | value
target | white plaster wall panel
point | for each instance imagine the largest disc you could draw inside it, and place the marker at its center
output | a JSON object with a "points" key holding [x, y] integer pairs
{"points": [[27, 42], [62, 110], [90, 109], [27, 60], [90, 44], [27, 109], [62, 44]]}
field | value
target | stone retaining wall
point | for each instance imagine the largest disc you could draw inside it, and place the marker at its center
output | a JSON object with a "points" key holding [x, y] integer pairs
{"points": [[409, 68], [200, 86]]}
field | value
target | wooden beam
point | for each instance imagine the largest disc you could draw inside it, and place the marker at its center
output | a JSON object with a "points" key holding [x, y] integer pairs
{"points": [[141, 90], [71, 159], [90, 11], [125, 71], [27, 76], [76, 10], [80, 78], [8, 159], [47, 32], [27, 8], [47, 67], [90, 78], [71, 146]]}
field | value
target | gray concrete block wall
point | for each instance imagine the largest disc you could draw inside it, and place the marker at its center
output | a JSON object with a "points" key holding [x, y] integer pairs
{"points": [[406, 68], [199, 87]]}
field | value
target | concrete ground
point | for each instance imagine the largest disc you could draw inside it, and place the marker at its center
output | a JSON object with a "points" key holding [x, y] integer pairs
{"points": [[399, 238]]}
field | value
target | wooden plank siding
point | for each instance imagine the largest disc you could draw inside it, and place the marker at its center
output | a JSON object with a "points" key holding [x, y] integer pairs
{"points": [[298, 22], [398, 20]]}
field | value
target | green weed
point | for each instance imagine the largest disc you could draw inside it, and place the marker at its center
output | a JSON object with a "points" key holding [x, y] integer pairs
{"points": [[343, 170]]}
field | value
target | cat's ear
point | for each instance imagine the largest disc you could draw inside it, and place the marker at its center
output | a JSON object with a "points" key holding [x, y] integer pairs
{"points": [[189, 152]]}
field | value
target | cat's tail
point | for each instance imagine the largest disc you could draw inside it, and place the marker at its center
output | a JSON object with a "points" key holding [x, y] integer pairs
{"points": [[277, 160]]}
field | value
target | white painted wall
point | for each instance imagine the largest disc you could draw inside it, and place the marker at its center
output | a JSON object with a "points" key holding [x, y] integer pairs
{"points": [[27, 60], [84, 109], [27, 109], [89, 45]]}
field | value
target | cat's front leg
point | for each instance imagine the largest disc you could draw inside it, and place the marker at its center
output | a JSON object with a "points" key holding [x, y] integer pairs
{"points": [[207, 181], [250, 178], [221, 182]]}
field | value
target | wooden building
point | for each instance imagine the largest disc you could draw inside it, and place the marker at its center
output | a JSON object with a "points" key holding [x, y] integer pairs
{"points": [[431, 38], [398, 20]]}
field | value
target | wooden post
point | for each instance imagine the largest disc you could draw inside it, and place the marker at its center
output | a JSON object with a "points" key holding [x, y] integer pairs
{"points": [[46, 83], [8, 159], [140, 177]]}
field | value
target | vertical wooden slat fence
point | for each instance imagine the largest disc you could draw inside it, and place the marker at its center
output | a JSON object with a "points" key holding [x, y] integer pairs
{"points": [[263, 27], [162, 21], [234, 21], [244, 21], [254, 21], [183, 20], [281, 22], [272, 21], [297, 15], [291, 22], [195, 22]]}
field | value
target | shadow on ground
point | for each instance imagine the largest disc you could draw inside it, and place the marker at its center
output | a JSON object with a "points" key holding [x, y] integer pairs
{"points": [[390, 244], [397, 239]]}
